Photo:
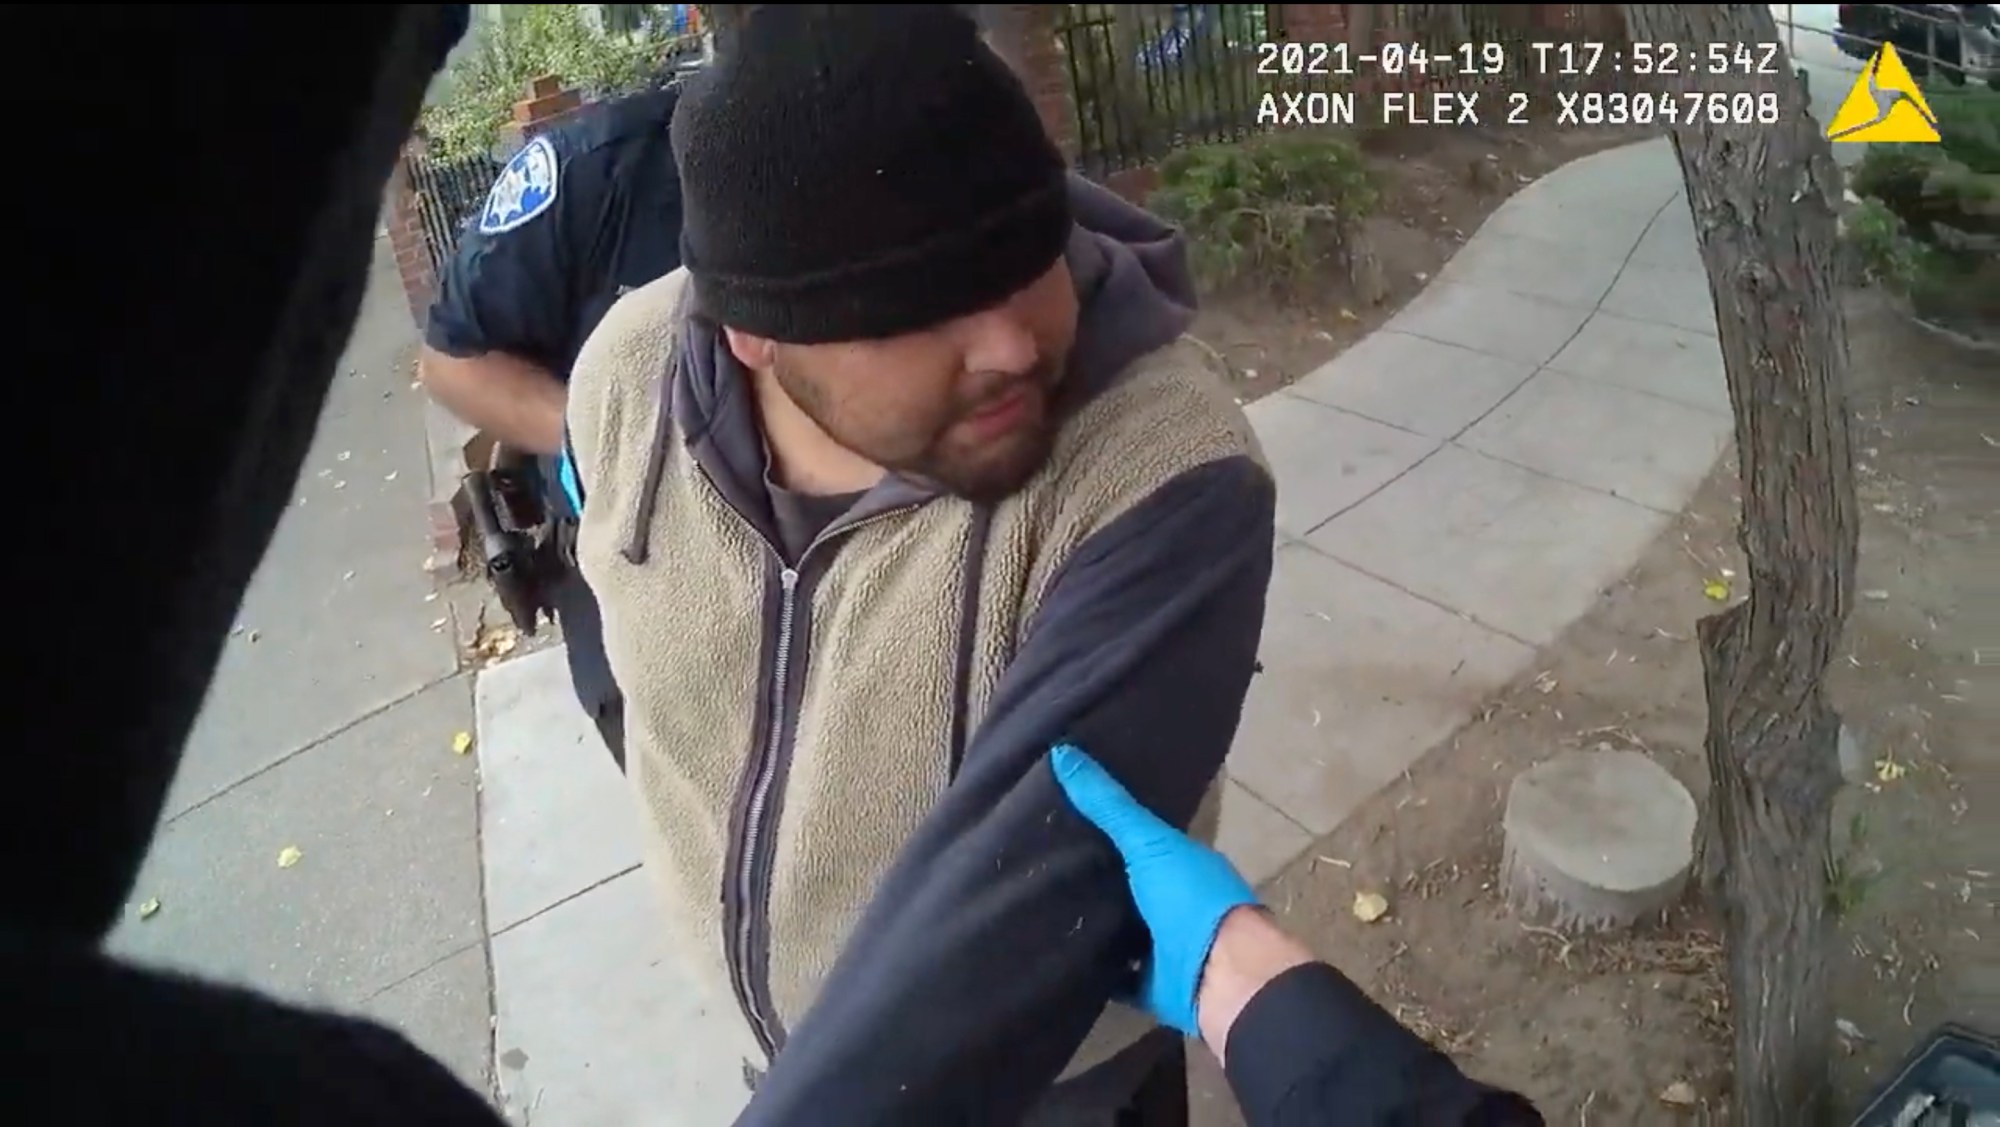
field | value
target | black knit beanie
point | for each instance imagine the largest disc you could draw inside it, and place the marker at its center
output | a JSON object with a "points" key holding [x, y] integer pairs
{"points": [[855, 171]]}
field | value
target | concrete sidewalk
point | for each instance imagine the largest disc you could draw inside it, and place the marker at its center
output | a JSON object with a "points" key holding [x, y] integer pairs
{"points": [[328, 729], [1453, 490]]}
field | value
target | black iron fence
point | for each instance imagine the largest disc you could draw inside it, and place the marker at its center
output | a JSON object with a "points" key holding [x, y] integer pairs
{"points": [[1151, 78], [448, 195], [1955, 43], [1148, 78]]}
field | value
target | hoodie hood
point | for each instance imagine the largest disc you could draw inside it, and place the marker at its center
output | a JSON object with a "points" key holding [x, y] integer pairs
{"points": [[1135, 295]]}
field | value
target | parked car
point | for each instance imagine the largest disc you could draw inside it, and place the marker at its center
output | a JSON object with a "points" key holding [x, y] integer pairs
{"points": [[1961, 40]]}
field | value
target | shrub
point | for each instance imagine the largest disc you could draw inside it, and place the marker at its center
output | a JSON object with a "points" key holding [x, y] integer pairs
{"points": [[1881, 244], [525, 42], [1969, 126], [1272, 208], [1928, 226]]}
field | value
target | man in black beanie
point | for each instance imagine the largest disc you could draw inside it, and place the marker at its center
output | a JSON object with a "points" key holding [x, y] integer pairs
{"points": [[907, 473]]}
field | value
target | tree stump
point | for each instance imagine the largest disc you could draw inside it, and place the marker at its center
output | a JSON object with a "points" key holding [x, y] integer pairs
{"points": [[1364, 267], [1596, 841]]}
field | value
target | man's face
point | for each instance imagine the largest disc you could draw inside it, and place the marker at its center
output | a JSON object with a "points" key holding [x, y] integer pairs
{"points": [[969, 405]]}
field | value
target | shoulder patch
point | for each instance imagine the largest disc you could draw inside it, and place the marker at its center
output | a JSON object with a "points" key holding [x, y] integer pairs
{"points": [[525, 188]]}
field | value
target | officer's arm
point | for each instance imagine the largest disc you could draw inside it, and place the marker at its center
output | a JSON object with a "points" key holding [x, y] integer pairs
{"points": [[506, 305]]}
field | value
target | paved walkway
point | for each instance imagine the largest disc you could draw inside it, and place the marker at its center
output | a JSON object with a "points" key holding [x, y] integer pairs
{"points": [[1453, 491], [329, 729]]}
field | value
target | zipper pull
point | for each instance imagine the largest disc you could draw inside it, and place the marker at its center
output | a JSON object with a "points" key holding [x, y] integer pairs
{"points": [[789, 579]]}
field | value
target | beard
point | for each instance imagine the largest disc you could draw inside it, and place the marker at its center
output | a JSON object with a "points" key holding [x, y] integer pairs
{"points": [[939, 448]]}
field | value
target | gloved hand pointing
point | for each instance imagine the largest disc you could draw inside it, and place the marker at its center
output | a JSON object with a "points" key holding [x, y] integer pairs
{"points": [[1182, 888]]}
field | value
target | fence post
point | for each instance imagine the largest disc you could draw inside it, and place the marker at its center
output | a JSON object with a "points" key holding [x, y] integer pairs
{"points": [[1025, 36]]}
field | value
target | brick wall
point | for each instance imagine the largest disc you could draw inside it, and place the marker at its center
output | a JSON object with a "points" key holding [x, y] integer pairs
{"points": [[1025, 36], [1314, 23], [548, 104], [406, 239]]}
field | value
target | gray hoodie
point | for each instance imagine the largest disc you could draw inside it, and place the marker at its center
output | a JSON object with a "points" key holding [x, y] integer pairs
{"points": [[841, 751]]}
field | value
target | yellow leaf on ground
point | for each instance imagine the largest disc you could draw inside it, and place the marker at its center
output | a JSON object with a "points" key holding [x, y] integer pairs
{"points": [[495, 642], [1715, 589], [1680, 1093], [149, 909], [461, 743], [289, 856], [1370, 906], [1888, 770]]}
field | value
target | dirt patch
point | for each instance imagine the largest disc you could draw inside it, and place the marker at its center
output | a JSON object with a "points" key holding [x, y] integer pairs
{"points": [[1596, 1030], [1438, 186]]}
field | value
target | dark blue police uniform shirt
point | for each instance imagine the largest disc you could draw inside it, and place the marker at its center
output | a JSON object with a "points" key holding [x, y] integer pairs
{"points": [[583, 213]]}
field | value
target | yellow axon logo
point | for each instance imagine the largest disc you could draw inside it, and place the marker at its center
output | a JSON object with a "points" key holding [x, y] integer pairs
{"points": [[1884, 104]]}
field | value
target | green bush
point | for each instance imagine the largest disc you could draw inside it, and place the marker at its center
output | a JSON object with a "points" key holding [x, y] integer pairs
{"points": [[1969, 126], [1928, 226], [1271, 209], [1881, 244], [526, 42]]}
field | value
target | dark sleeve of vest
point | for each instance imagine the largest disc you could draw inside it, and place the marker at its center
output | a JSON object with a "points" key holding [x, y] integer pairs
{"points": [[995, 941], [1311, 1049], [517, 291]]}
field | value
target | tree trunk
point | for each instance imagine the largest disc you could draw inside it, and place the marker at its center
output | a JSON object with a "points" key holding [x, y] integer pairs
{"points": [[1763, 198]]}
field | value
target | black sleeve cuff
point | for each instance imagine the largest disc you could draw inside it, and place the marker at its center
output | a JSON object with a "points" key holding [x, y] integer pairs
{"points": [[1310, 1047], [1302, 1022]]}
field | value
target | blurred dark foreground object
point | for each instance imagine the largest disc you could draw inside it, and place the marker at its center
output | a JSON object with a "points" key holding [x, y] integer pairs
{"points": [[207, 310]]}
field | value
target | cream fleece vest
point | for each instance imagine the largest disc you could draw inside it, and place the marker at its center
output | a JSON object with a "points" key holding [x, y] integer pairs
{"points": [[872, 739]]}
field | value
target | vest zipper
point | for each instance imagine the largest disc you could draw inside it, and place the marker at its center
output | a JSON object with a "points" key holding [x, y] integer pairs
{"points": [[763, 776], [746, 888]]}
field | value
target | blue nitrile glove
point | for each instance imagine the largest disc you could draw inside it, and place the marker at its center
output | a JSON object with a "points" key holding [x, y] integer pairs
{"points": [[1182, 887]]}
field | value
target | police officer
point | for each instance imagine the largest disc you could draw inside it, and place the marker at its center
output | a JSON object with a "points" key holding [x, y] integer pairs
{"points": [[583, 213]]}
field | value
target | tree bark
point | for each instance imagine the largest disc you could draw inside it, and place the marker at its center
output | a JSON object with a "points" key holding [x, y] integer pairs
{"points": [[1763, 198]]}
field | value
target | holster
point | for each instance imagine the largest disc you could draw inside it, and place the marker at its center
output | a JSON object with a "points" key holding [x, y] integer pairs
{"points": [[522, 542]]}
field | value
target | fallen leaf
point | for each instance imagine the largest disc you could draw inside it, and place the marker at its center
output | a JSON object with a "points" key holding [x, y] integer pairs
{"points": [[461, 743], [1680, 1093], [1716, 590], [1347, 314], [289, 856], [1370, 906], [496, 641], [149, 909], [1888, 770]]}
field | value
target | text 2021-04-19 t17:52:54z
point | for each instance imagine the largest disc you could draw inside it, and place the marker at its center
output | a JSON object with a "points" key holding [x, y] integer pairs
{"points": [[1565, 59]]}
